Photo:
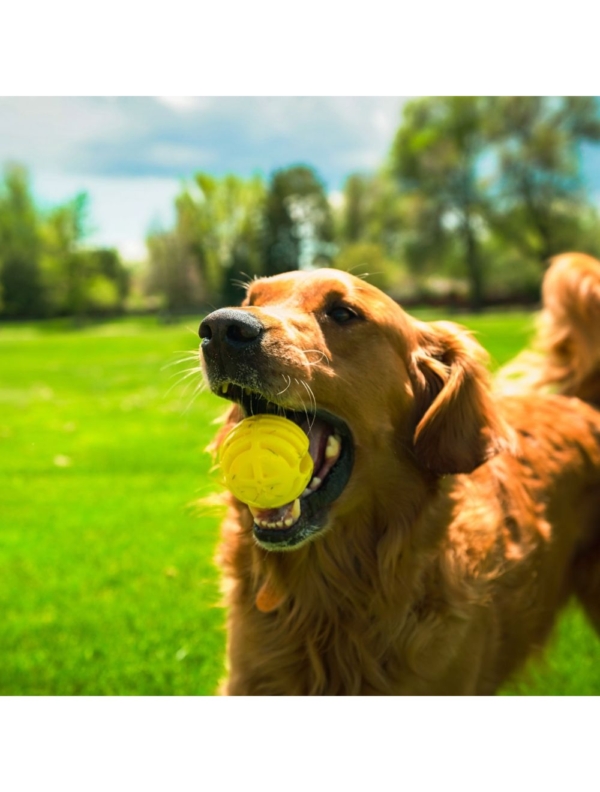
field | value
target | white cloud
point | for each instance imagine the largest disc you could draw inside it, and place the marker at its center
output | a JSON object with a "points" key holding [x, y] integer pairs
{"points": [[172, 136], [183, 103], [47, 131], [130, 153], [174, 155], [122, 210]]}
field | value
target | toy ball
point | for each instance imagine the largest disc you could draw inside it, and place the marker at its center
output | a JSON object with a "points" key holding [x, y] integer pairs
{"points": [[265, 461]]}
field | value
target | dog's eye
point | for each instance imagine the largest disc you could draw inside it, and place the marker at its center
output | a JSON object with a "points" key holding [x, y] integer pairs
{"points": [[342, 314]]}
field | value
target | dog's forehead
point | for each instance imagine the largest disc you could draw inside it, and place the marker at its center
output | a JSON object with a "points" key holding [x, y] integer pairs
{"points": [[315, 289]]}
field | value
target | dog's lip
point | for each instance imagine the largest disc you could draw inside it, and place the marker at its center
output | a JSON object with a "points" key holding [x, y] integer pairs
{"points": [[240, 394], [314, 507]]}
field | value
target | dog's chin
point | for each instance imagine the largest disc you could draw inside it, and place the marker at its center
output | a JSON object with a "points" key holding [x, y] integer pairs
{"points": [[304, 531], [316, 500]]}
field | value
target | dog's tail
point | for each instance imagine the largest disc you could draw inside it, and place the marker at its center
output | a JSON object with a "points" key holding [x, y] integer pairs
{"points": [[569, 327], [569, 339]]}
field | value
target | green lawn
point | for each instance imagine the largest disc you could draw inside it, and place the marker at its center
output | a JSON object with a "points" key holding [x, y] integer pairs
{"points": [[106, 577]]}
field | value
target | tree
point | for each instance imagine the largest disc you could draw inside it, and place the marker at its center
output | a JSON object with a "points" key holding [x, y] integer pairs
{"points": [[172, 272], [20, 247], [108, 280], [437, 153], [356, 208], [78, 279], [298, 221], [368, 260], [373, 211], [64, 264], [221, 221], [538, 196]]}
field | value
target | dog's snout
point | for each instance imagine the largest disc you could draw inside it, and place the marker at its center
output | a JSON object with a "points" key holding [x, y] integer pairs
{"points": [[236, 328]]}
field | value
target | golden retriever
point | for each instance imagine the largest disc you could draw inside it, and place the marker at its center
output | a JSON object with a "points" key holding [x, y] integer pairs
{"points": [[444, 527]]}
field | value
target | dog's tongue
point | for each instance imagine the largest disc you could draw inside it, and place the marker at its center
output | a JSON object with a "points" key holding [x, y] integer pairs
{"points": [[285, 516], [318, 433]]}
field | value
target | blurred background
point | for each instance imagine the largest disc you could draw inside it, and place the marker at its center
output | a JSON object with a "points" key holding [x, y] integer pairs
{"points": [[122, 222]]}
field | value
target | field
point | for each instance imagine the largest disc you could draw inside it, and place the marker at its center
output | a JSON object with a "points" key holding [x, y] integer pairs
{"points": [[107, 584]]}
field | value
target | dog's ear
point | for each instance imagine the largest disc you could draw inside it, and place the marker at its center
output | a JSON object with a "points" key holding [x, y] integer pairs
{"points": [[457, 426]]}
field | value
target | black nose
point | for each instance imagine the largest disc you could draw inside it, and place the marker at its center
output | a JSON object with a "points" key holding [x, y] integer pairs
{"points": [[238, 329]]}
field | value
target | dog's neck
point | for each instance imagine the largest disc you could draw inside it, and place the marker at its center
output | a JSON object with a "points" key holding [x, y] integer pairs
{"points": [[357, 597], [368, 552]]}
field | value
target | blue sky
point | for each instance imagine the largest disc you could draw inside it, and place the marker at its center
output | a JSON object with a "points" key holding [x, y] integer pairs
{"points": [[131, 154]]}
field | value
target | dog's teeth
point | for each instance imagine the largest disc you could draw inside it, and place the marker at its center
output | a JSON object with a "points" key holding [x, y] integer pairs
{"points": [[332, 449], [293, 513], [224, 387], [315, 484]]}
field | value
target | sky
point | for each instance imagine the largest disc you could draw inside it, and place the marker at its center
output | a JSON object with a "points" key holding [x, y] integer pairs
{"points": [[131, 154]]}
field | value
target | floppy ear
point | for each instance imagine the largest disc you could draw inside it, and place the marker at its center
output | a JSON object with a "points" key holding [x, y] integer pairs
{"points": [[457, 426]]}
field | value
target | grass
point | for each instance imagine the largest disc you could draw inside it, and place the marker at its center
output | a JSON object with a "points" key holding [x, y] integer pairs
{"points": [[106, 578]]}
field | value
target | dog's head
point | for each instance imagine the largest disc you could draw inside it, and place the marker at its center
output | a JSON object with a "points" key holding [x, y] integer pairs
{"points": [[377, 392]]}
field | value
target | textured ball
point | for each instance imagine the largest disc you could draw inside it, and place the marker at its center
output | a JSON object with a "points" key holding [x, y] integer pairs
{"points": [[265, 461]]}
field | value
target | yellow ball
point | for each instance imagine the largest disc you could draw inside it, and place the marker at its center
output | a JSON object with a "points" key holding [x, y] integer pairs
{"points": [[265, 461]]}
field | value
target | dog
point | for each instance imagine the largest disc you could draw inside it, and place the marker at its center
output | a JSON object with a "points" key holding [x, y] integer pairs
{"points": [[445, 526]]}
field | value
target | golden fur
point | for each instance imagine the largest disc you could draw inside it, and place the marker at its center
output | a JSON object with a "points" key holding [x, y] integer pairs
{"points": [[468, 520]]}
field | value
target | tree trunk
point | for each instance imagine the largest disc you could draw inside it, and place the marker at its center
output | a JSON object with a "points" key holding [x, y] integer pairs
{"points": [[539, 221], [474, 268]]}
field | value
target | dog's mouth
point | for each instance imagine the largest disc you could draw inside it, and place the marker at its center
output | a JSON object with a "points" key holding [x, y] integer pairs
{"points": [[331, 449]]}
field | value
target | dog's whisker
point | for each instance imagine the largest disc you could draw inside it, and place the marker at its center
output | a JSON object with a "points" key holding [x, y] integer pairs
{"points": [[186, 384], [243, 284], [318, 352], [312, 403], [189, 384], [192, 330], [197, 391], [302, 402], [188, 356], [281, 392], [186, 375]]}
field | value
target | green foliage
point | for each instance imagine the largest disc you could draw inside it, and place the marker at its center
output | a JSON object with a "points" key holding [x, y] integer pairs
{"points": [[368, 259], [298, 221], [537, 199], [20, 247], [475, 196], [230, 228], [217, 237], [45, 270], [374, 211], [435, 156], [173, 272], [493, 180]]}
